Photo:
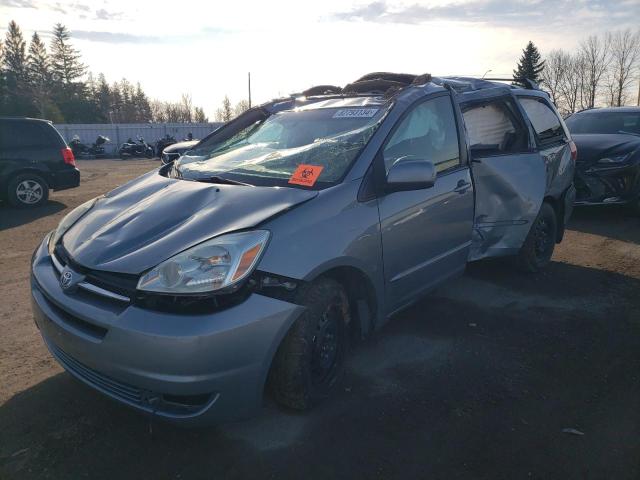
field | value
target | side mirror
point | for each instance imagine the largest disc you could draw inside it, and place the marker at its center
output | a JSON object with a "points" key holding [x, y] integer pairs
{"points": [[410, 173]]}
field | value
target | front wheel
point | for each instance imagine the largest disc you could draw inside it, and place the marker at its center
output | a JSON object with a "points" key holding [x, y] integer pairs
{"points": [[27, 190], [310, 360], [536, 252]]}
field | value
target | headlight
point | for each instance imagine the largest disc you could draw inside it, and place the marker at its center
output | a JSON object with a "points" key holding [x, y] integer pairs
{"points": [[614, 159], [216, 264], [66, 223]]}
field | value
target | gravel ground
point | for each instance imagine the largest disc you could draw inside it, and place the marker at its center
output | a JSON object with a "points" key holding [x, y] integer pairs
{"points": [[478, 380]]}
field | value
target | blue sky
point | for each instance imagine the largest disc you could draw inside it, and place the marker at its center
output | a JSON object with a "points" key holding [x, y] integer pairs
{"points": [[206, 48]]}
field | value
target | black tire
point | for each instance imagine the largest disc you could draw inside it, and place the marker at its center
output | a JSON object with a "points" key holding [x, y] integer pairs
{"points": [[27, 190], [538, 247], [310, 361]]}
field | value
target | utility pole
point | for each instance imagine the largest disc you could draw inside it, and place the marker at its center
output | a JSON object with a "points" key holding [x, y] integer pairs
{"points": [[249, 76]]}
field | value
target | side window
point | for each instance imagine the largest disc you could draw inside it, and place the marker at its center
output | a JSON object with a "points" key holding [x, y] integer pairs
{"points": [[493, 129], [26, 135], [428, 132], [545, 122]]}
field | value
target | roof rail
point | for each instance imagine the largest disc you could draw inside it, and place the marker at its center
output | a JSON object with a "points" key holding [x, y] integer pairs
{"points": [[527, 82]]}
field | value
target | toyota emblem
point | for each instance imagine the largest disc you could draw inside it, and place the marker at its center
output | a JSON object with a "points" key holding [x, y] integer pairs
{"points": [[66, 279]]}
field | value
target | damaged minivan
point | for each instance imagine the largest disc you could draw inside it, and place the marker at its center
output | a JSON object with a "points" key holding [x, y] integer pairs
{"points": [[293, 231]]}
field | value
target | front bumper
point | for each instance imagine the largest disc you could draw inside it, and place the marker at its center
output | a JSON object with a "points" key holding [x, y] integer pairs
{"points": [[192, 369]]}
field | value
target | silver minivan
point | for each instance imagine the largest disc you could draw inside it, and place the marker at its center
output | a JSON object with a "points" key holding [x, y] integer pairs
{"points": [[295, 229]]}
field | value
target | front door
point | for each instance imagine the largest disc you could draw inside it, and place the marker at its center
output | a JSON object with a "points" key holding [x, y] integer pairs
{"points": [[426, 233]]}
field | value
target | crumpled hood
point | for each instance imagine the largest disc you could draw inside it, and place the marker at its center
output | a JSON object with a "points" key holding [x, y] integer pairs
{"points": [[592, 147], [152, 218]]}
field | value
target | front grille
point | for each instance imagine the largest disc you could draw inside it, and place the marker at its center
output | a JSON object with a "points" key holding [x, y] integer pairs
{"points": [[164, 405], [123, 284]]}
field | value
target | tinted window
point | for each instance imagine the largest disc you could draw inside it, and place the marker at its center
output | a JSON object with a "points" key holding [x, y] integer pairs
{"points": [[604, 122], [493, 129], [428, 132], [25, 135], [544, 120]]}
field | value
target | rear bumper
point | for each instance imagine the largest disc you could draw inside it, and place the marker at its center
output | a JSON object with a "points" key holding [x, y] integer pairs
{"points": [[190, 369], [64, 179]]}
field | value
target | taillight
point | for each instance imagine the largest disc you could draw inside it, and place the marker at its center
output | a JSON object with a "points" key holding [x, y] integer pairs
{"points": [[67, 156], [574, 150]]}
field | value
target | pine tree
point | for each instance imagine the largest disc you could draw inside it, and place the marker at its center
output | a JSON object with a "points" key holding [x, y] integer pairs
{"points": [[225, 113], [103, 99], [39, 74], [65, 60], [15, 58], [143, 108], [530, 65]]}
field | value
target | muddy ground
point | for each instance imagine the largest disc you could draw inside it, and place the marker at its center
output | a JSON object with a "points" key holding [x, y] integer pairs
{"points": [[476, 381]]}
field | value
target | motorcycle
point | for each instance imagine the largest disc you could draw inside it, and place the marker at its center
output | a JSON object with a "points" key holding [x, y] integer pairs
{"points": [[163, 143], [96, 150], [131, 149]]}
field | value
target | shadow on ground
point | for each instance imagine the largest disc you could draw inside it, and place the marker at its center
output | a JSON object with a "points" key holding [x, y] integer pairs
{"points": [[14, 217], [476, 381], [613, 221]]}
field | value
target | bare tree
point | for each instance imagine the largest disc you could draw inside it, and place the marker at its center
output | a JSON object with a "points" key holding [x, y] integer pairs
{"points": [[241, 107], [186, 105], [595, 53], [553, 74], [625, 52], [571, 86]]}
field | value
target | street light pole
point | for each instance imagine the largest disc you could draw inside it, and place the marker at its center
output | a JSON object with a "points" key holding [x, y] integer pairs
{"points": [[249, 77]]}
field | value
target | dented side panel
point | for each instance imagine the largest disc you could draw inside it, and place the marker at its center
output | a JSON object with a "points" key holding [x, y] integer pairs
{"points": [[509, 192]]}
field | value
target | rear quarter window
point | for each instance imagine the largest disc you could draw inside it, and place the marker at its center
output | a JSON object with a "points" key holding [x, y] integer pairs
{"points": [[545, 121], [23, 134], [494, 128]]}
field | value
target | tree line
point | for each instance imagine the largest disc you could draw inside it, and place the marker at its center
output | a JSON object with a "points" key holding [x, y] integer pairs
{"points": [[604, 70], [53, 83]]}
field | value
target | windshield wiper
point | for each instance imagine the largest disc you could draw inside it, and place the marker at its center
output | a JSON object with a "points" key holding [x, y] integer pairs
{"points": [[221, 180]]}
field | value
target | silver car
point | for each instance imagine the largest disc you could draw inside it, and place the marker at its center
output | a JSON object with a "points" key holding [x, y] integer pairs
{"points": [[300, 226]]}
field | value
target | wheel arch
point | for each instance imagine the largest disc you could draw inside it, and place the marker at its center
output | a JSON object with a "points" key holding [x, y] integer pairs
{"points": [[20, 171]]}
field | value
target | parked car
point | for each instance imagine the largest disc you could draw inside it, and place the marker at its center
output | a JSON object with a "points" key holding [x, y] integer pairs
{"points": [[34, 159], [309, 222], [176, 150], [608, 165]]}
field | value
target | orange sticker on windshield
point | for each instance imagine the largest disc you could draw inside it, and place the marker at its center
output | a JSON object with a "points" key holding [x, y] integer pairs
{"points": [[306, 175]]}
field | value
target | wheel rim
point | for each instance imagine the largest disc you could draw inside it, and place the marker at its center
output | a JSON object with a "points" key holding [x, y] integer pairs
{"points": [[542, 238], [326, 345], [29, 192]]}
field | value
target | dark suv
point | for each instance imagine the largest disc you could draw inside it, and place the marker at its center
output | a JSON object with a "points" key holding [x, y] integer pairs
{"points": [[33, 159]]}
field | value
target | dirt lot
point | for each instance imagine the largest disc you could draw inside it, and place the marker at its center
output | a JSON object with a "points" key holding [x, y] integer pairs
{"points": [[476, 381]]}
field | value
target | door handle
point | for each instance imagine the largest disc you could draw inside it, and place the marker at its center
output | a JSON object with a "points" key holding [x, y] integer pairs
{"points": [[462, 186]]}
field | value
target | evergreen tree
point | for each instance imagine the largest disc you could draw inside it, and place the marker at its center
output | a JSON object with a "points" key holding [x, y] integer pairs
{"points": [[143, 108], [530, 65], [103, 99], [15, 58], [15, 72], [39, 74], [225, 113], [3, 84], [65, 60], [199, 116]]}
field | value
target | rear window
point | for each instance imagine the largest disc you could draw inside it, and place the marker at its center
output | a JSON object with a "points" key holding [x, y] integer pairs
{"points": [[605, 122], [544, 120], [27, 135]]}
